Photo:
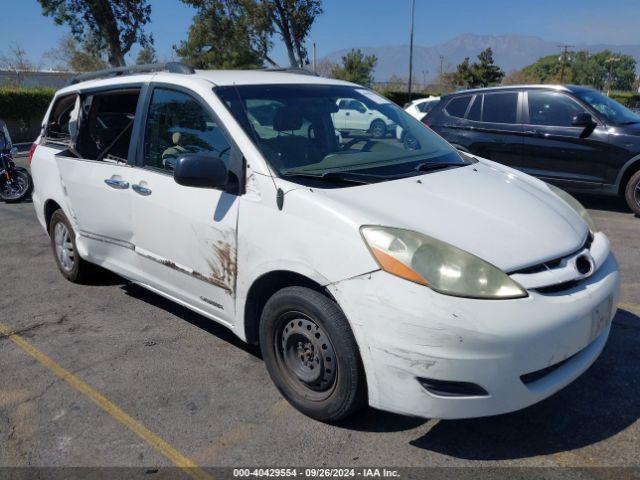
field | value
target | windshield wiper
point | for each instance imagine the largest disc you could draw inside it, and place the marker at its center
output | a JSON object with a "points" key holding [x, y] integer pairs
{"points": [[431, 166], [359, 178]]}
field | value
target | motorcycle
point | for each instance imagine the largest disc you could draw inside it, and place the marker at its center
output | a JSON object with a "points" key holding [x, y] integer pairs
{"points": [[16, 183]]}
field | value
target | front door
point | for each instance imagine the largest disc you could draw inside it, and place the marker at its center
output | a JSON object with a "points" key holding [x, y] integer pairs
{"points": [[555, 150], [185, 237]]}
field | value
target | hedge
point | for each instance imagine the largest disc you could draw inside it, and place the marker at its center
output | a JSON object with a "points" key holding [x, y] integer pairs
{"points": [[630, 99], [20, 103], [401, 98]]}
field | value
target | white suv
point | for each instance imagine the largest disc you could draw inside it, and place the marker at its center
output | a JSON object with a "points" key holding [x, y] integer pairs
{"points": [[353, 116], [416, 279]]}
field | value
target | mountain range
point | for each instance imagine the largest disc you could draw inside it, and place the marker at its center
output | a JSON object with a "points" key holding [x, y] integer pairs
{"points": [[511, 52]]}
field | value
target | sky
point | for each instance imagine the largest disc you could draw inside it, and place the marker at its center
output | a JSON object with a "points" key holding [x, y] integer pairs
{"points": [[359, 23]]}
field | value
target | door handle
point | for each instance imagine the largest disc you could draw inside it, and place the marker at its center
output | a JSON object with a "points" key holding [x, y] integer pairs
{"points": [[144, 191], [532, 133], [115, 183]]}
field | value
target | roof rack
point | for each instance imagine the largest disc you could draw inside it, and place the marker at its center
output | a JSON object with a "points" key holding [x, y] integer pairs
{"points": [[172, 67], [298, 70]]}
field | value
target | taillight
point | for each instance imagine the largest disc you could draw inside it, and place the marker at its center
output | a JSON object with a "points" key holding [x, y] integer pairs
{"points": [[32, 150]]}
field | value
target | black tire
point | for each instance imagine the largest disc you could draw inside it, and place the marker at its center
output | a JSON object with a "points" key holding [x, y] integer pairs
{"points": [[327, 387], [632, 193], [378, 129], [80, 271], [22, 176]]}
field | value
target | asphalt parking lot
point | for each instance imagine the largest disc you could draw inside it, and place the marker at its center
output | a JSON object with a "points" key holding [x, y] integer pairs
{"points": [[199, 393]]}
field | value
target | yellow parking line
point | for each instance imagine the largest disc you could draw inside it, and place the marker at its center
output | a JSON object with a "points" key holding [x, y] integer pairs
{"points": [[116, 412]]}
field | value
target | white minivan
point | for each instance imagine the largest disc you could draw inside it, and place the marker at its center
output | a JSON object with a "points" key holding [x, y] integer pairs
{"points": [[410, 277]]}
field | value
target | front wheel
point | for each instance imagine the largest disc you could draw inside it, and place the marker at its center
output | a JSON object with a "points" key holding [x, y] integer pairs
{"points": [[632, 193], [311, 354], [18, 188]]}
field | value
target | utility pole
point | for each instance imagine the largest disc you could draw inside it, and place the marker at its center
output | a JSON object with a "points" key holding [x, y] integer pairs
{"points": [[413, 7], [563, 59], [441, 63], [314, 57], [610, 61]]}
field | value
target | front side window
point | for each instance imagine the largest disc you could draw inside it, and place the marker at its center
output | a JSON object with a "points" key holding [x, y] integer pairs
{"points": [[302, 132], [500, 107], [552, 108], [457, 107], [177, 124]]}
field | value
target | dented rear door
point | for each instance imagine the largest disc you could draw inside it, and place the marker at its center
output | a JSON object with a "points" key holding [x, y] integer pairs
{"points": [[185, 237]]}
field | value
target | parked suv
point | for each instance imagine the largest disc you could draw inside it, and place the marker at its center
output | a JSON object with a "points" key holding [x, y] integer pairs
{"points": [[574, 137], [417, 279]]}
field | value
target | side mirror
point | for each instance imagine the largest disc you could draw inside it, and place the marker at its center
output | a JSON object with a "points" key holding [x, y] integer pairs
{"points": [[200, 170], [583, 120], [586, 121]]}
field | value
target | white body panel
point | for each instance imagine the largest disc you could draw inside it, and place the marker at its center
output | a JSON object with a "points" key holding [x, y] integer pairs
{"points": [[414, 108], [205, 249]]}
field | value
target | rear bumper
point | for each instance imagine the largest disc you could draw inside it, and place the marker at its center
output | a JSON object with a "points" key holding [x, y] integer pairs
{"points": [[406, 331]]}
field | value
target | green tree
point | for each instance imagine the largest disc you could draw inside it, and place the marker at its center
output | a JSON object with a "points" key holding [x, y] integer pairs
{"points": [[78, 57], [485, 72], [146, 55], [115, 24], [237, 33], [356, 67], [227, 34], [292, 20], [584, 68], [482, 73]]}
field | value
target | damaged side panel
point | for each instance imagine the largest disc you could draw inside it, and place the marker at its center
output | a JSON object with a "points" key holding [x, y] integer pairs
{"points": [[186, 240]]}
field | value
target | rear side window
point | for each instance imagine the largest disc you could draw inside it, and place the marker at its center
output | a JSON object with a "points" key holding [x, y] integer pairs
{"points": [[57, 128], [500, 107], [457, 106], [106, 125]]}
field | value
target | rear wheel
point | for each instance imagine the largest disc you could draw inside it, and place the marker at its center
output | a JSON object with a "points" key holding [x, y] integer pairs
{"points": [[632, 193], [63, 243], [311, 354]]}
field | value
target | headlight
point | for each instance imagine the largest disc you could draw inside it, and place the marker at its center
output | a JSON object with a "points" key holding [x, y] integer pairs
{"points": [[438, 265], [576, 205]]}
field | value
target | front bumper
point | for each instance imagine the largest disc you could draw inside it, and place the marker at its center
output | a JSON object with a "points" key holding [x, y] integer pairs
{"points": [[407, 331]]}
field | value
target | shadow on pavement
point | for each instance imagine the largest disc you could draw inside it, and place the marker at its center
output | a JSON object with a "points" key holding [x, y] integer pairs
{"points": [[600, 404], [603, 202], [187, 315]]}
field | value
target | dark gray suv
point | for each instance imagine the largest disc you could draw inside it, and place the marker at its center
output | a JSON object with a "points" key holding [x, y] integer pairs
{"points": [[571, 136]]}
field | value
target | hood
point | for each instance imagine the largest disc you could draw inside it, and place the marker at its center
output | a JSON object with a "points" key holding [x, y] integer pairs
{"points": [[500, 215]]}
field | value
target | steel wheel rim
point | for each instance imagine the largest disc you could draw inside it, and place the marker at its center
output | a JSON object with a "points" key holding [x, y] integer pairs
{"points": [[64, 247], [306, 356]]}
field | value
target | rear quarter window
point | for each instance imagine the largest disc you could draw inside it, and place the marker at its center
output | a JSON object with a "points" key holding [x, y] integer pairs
{"points": [[57, 127], [457, 106]]}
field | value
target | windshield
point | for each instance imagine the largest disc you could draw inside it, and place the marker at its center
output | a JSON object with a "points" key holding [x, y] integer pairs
{"points": [[610, 109], [336, 133]]}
